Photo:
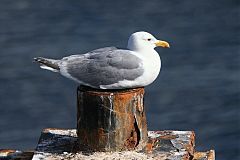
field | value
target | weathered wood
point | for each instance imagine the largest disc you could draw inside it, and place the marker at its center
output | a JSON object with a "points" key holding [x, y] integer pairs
{"points": [[171, 141], [54, 140], [172, 145], [112, 120]]}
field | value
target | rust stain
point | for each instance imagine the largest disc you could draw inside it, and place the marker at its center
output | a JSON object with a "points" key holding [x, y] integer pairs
{"points": [[131, 142], [150, 145], [191, 145], [211, 155], [148, 148], [7, 151], [199, 155], [83, 136], [168, 137], [186, 157]]}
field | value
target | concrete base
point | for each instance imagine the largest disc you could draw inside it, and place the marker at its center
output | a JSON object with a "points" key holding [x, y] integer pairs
{"points": [[171, 145], [57, 144]]}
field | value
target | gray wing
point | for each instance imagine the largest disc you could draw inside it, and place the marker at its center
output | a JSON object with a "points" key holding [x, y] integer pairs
{"points": [[104, 66]]}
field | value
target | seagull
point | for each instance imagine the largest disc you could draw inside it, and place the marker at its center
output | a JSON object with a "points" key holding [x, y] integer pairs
{"points": [[110, 67]]}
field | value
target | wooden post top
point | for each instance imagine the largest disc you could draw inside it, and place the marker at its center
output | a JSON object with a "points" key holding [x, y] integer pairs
{"points": [[108, 91]]}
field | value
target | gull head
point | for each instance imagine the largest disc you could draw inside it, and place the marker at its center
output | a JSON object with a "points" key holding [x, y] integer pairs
{"points": [[143, 40]]}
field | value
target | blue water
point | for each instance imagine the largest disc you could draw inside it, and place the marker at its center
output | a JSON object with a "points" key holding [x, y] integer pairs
{"points": [[198, 88]]}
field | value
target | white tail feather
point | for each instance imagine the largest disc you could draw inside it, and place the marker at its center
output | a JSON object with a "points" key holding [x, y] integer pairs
{"points": [[48, 68]]}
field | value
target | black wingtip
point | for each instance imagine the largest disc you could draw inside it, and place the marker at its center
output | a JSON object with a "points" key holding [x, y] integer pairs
{"points": [[38, 59], [35, 59], [47, 62]]}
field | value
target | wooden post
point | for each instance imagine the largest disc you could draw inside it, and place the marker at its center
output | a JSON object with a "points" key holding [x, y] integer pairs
{"points": [[111, 120]]}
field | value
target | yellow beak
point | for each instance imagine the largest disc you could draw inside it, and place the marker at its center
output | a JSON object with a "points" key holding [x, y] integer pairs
{"points": [[163, 44]]}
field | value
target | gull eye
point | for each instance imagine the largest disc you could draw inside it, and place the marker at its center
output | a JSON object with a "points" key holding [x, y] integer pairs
{"points": [[149, 39]]}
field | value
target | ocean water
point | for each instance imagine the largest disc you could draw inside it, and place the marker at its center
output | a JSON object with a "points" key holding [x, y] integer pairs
{"points": [[198, 87]]}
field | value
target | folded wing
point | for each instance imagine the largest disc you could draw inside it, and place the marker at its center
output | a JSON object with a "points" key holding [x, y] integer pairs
{"points": [[103, 66]]}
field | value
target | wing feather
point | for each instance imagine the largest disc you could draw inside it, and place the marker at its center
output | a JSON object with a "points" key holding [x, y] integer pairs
{"points": [[104, 66]]}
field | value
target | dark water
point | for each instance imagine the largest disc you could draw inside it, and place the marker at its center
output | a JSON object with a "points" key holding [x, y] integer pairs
{"points": [[198, 88]]}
